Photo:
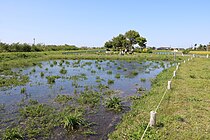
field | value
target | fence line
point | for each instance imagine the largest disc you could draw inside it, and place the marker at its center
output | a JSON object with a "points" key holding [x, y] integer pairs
{"points": [[160, 101]]}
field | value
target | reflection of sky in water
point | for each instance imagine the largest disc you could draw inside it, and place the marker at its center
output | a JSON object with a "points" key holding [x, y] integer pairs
{"points": [[38, 88]]}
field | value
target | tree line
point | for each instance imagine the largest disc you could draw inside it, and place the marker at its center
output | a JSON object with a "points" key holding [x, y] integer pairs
{"points": [[126, 41], [24, 47]]}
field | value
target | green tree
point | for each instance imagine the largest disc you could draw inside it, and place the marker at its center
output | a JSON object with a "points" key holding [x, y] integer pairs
{"points": [[108, 45], [119, 42], [135, 38]]}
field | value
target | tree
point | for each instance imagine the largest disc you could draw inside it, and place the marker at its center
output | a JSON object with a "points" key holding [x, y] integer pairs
{"points": [[119, 42], [108, 45], [126, 41], [141, 42], [135, 38]]}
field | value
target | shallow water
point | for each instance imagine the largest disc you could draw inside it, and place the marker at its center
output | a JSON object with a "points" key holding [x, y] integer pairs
{"points": [[89, 73]]}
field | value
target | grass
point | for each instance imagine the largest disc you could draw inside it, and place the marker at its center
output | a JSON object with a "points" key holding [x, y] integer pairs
{"points": [[23, 90], [13, 134], [199, 52], [113, 103], [51, 79], [63, 71], [62, 98], [72, 121], [110, 82], [184, 112], [109, 72], [42, 74], [89, 97], [38, 121], [117, 76], [143, 79]]}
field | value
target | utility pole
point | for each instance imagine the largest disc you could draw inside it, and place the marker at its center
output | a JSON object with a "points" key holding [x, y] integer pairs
{"points": [[207, 56], [34, 41]]}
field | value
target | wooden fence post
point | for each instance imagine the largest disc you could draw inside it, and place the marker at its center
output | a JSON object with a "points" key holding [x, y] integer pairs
{"points": [[152, 121], [174, 74], [169, 85]]}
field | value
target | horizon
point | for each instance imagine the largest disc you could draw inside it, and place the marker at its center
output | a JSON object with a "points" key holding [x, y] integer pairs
{"points": [[179, 24]]}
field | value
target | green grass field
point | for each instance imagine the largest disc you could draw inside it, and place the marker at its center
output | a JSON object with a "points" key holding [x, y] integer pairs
{"points": [[185, 111]]}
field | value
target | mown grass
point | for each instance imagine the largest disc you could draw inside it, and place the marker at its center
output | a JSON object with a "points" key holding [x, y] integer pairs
{"points": [[184, 112], [200, 52]]}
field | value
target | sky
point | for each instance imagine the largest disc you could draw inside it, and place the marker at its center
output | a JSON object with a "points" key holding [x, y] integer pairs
{"points": [[175, 23]]}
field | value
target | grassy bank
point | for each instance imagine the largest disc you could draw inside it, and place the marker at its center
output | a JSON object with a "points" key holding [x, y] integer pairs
{"points": [[184, 112]]}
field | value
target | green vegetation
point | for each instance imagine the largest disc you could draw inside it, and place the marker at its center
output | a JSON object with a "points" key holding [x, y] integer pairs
{"points": [[13, 134], [143, 80], [110, 82], [184, 110], [109, 72], [23, 90], [42, 74], [126, 41], [117, 76], [73, 120], [63, 71], [62, 98], [89, 97], [23, 59], [51, 79], [18, 47], [114, 103]]}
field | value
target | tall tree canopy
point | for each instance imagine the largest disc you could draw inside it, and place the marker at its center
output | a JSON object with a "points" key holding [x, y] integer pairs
{"points": [[126, 41]]}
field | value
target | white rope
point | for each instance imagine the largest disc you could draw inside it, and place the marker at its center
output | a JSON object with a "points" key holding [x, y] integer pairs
{"points": [[156, 109], [145, 131]]}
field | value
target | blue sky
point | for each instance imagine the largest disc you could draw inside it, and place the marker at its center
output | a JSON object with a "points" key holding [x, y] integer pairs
{"points": [[179, 23]]}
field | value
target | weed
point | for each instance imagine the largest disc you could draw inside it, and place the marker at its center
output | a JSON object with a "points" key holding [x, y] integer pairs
{"points": [[117, 76], [51, 79], [13, 134], [89, 132], [143, 79], [119, 68], [33, 70], [54, 62], [73, 121], [23, 90], [114, 103], [63, 98], [93, 71], [109, 72], [89, 97], [63, 71], [110, 81], [42, 74]]}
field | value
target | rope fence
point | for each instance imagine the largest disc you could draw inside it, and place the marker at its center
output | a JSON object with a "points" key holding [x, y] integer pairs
{"points": [[152, 121]]}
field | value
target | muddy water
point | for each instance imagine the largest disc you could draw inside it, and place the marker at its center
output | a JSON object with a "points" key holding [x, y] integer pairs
{"points": [[93, 73]]}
